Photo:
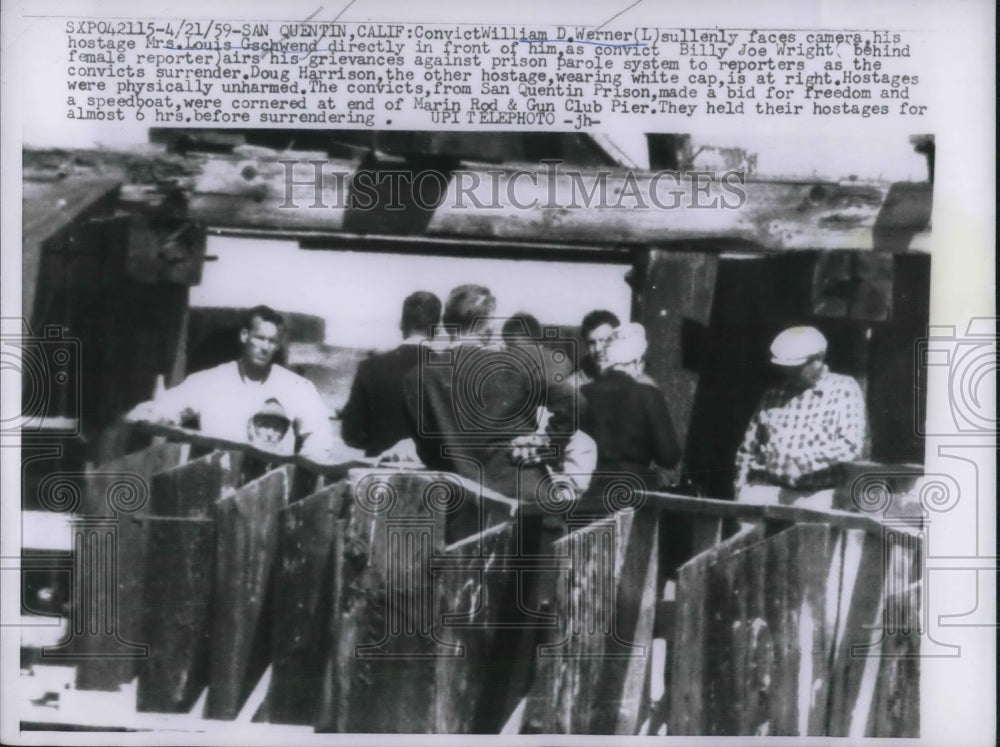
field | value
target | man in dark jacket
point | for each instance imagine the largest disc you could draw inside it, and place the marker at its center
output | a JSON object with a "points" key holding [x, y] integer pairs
{"points": [[628, 419], [468, 403], [375, 415]]}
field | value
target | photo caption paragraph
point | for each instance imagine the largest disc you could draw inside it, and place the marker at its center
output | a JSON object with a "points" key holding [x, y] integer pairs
{"points": [[189, 73]]}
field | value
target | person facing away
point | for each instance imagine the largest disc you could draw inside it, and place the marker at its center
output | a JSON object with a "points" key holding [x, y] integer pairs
{"points": [[804, 428], [597, 330], [467, 403], [551, 358], [375, 416], [223, 401], [628, 418]]}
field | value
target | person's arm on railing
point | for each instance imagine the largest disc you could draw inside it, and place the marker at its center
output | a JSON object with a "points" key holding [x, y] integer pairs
{"points": [[313, 427], [747, 455], [844, 442], [170, 407], [326, 467]]}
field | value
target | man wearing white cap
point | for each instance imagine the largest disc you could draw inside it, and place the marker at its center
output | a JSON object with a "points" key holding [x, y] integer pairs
{"points": [[803, 429]]}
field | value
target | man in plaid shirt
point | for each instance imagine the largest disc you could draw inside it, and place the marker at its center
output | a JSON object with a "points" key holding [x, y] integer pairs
{"points": [[803, 429]]}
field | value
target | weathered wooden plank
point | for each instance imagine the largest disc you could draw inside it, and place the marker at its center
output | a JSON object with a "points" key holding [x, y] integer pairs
{"points": [[386, 636], [712, 507], [246, 546], [778, 215], [49, 208], [769, 606], [854, 604], [769, 632], [477, 614], [306, 595], [198, 441], [178, 598], [896, 708], [535, 597], [592, 677], [882, 625], [193, 488], [781, 214], [690, 646], [132, 472]]}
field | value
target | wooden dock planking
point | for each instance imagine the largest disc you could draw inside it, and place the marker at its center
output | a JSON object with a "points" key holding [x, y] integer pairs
{"points": [[192, 489], [246, 547], [475, 588], [100, 673], [181, 553], [384, 639], [306, 595], [783, 617]]}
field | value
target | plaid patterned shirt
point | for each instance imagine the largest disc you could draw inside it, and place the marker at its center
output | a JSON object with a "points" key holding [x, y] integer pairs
{"points": [[797, 438]]}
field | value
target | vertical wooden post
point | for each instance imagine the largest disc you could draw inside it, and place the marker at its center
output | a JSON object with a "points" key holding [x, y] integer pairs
{"points": [[246, 545], [592, 677], [128, 477], [181, 553], [387, 635], [306, 600]]}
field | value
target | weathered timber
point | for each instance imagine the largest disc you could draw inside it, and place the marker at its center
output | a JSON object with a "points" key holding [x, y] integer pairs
{"points": [[257, 192], [591, 678], [673, 291], [127, 479], [780, 214], [712, 507], [246, 546], [769, 634], [330, 471], [686, 648], [306, 599], [178, 598], [49, 210], [386, 636], [192, 489], [895, 707], [478, 577], [876, 674]]}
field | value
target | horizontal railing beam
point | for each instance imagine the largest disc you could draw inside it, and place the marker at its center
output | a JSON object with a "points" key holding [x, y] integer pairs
{"points": [[664, 501]]}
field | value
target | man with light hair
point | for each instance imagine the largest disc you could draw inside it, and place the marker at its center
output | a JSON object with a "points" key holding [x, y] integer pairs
{"points": [[803, 430], [223, 401]]}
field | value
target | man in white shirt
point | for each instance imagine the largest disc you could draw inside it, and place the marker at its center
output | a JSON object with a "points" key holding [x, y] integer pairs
{"points": [[225, 399]]}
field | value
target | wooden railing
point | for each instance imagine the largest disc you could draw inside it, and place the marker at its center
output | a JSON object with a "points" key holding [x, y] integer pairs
{"points": [[356, 598]]}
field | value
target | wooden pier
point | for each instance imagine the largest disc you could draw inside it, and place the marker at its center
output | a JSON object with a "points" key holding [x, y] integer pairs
{"points": [[338, 598]]}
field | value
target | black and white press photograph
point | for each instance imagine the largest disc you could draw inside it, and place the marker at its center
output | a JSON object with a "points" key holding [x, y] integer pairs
{"points": [[436, 432], [528, 373]]}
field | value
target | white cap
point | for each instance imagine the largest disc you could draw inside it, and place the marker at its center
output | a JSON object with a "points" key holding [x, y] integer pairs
{"points": [[796, 345], [627, 345]]}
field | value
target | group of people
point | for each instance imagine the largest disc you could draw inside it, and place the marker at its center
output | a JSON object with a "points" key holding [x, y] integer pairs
{"points": [[518, 412]]}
